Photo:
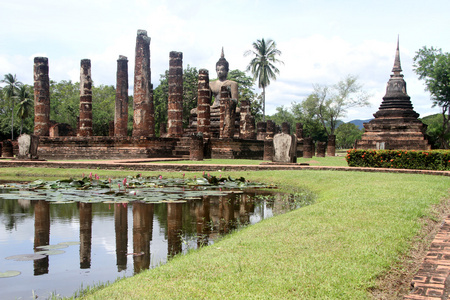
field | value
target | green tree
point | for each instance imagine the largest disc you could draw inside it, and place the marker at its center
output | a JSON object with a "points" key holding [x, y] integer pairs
{"points": [[434, 130], [329, 103], [346, 135], [262, 65], [25, 105], [9, 94], [433, 66], [103, 108], [65, 102]]}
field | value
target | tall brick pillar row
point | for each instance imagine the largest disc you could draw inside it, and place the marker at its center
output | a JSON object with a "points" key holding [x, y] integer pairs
{"points": [[175, 100], [203, 103], [41, 97], [85, 122], [144, 119], [121, 108]]}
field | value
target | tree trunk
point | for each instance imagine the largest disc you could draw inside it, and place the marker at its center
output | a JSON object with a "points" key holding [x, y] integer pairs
{"points": [[264, 103]]}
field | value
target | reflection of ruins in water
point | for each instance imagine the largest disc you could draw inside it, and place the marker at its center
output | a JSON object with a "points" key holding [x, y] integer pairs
{"points": [[41, 234], [190, 224]]}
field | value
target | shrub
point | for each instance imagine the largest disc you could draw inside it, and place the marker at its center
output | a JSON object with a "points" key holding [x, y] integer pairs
{"points": [[400, 159]]}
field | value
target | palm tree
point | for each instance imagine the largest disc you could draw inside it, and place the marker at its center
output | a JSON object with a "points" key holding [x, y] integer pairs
{"points": [[9, 92], [25, 104], [262, 65]]}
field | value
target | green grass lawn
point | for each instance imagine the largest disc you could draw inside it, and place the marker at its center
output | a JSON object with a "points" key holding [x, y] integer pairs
{"points": [[315, 161], [360, 226]]}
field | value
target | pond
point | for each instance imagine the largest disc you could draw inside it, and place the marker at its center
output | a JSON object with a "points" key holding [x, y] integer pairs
{"points": [[55, 240]]}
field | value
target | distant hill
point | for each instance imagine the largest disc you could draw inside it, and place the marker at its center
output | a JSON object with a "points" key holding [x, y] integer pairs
{"points": [[359, 123]]}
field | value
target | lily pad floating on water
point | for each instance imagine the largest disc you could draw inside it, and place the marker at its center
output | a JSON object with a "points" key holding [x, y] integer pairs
{"points": [[9, 273], [53, 247], [69, 243], [50, 252], [25, 257]]}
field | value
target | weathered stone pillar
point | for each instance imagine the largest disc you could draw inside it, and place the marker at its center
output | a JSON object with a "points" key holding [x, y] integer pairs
{"points": [[285, 148], [7, 149], [308, 147], [268, 149], [85, 125], [286, 128], [196, 147], [261, 128], [41, 97], [203, 103], [247, 122], [321, 147], [175, 102], [144, 119], [227, 114], [299, 130], [121, 111], [331, 146], [270, 131]]}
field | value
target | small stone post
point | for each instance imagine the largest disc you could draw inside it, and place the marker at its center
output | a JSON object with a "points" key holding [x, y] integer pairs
{"points": [[7, 149], [270, 132], [41, 97], [331, 146], [321, 147], [85, 124], [308, 147], [144, 119], [203, 103], [175, 101], [247, 122], [196, 147], [261, 128], [121, 109], [227, 114], [268, 149], [299, 130], [286, 128]]}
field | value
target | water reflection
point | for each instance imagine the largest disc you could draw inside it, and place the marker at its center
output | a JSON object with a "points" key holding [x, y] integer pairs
{"points": [[159, 231]]}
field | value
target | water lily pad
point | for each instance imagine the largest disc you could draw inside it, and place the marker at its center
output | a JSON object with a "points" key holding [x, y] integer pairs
{"points": [[52, 247], [50, 252], [25, 257], [69, 243], [9, 273]]}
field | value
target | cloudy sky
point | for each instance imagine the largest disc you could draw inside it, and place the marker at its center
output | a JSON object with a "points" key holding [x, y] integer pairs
{"points": [[321, 41]]}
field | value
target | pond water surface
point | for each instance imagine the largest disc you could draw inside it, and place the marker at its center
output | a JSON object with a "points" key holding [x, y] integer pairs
{"points": [[91, 243]]}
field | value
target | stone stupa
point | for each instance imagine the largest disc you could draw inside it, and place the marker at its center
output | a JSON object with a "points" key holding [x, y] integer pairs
{"points": [[396, 125]]}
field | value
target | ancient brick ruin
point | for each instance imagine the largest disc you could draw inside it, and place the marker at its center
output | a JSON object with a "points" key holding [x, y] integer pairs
{"points": [[223, 130], [396, 124]]}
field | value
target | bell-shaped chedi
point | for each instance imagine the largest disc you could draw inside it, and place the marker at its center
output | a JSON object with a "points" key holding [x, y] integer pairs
{"points": [[396, 124]]}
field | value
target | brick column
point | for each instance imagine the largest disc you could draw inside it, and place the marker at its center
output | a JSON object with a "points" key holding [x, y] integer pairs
{"points": [[121, 110], [227, 114], [175, 101], [299, 130], [286, 128], [270, 131], [321, 147], [261, 128], [268, 149], [41, 97], [308, 151], [331, 146], [144, 119], [247, 122], [196, 147], [85, 124], [203, 103]]}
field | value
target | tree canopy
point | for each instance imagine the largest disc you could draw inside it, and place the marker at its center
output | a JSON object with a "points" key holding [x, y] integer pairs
{"points": [[262, 65], [433, 66], [329, 103]]}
